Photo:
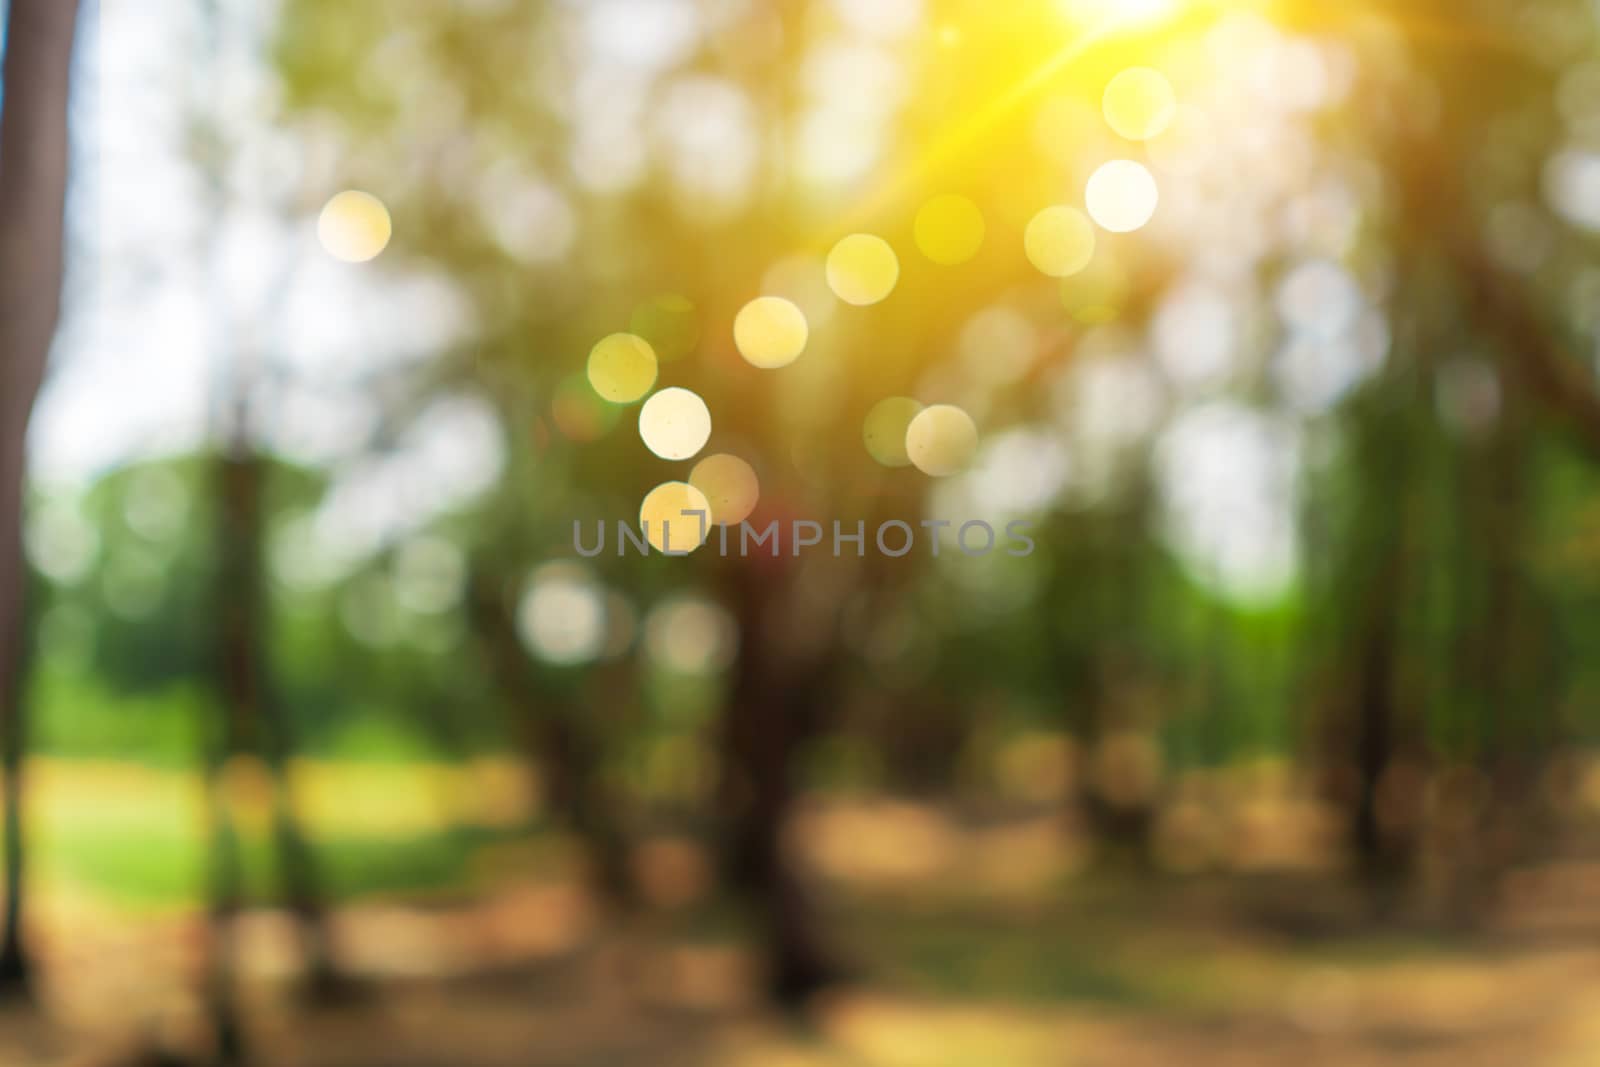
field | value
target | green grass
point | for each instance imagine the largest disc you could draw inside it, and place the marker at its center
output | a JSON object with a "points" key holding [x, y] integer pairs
{"points": [[159, 867]]}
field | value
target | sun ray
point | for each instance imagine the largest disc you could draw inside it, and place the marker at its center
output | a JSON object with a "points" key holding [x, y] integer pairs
{"points": [[971, 129], [939, 152]]}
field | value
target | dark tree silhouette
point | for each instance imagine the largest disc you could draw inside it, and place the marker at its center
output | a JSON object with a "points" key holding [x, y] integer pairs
{"points": [[554, 738], [33, 184]]}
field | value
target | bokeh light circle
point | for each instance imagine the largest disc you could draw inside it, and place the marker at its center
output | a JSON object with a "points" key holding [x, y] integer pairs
{"points": [[667, 517], [1122, 195], [883, 431], [691, 635], [1139, 103], [622, 368], [941, 440], [354, 226], [862, 269], [562, 615], [770, 332], [949, 229], [675, 423], [1059, 241], [731, 486]]}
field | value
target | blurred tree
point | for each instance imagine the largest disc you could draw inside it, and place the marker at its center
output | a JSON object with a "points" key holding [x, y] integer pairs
{"points": [[33, 184], [528, 165], [1481, 363], [516, 142], [255, 720], [564, 741]]}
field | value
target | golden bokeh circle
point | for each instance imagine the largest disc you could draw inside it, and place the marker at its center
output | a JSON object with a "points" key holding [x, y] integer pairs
{"points": [[1059, 241], [668, 516], [949, 229], [731, 486], [862, 269], [770, 332], [622, 367], [354, 226], [941, 440]]}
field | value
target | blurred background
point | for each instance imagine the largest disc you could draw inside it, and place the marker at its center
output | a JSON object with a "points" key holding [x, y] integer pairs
{"points": [[330, 739]]}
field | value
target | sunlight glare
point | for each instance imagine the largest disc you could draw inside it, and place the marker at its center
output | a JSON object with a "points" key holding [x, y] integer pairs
{"points": [[1117, 13]]}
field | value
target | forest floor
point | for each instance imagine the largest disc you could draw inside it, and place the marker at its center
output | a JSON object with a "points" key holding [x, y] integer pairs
{"points": [[986, 947]]}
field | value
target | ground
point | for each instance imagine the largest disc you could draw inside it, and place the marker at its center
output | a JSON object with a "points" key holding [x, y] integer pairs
{"points": [[970, 946]]}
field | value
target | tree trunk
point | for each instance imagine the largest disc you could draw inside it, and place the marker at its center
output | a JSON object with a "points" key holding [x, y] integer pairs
{"points": [[256, 719], [236, 687], [1378, 578], [223, 892], [1373, 691], [1100, 574], [33, 184], [556, 742], [775, 709]]}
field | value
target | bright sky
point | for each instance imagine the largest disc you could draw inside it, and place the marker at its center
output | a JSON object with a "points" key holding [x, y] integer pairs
{"points": [[165, 286]]}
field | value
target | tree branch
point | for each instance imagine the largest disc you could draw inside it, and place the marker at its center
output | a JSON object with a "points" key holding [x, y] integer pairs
{"points": [[1531, 353]]}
